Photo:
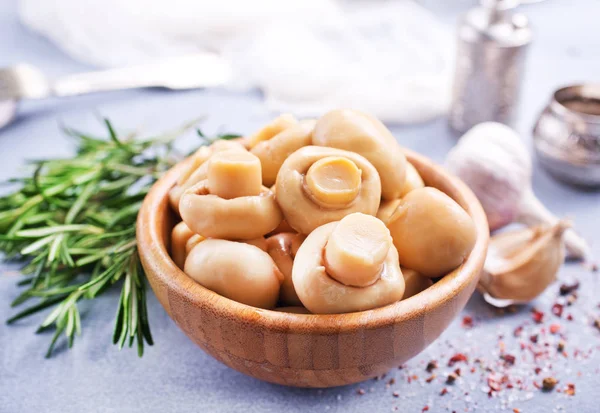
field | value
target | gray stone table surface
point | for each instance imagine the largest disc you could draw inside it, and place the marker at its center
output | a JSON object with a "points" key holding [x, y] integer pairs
{"points": [[176, 376]]}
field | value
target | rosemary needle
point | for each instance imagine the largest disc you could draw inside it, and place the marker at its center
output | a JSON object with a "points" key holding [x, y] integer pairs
{"points": [[72, 225]]}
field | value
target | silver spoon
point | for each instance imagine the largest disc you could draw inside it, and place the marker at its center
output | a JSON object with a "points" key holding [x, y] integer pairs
{"points": [[24, 81]]}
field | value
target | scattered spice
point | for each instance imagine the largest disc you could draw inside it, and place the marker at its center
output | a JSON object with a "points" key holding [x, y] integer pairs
{"points": [[493, 384], [568, 288], [509, 359], [432, 365], [391, 381], [570, 389], [539, 345], [457, 358], [537, 315], [425, 409], [549, 383], [451, 378], [557, 309], [467, 322], [360, 392]]}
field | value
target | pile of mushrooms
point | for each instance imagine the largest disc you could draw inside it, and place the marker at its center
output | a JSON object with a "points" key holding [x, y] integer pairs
{"points": [[314, 216]]}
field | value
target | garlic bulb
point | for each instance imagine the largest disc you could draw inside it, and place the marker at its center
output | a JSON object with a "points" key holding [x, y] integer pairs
{"points": [[493, 161], [520, 264]]}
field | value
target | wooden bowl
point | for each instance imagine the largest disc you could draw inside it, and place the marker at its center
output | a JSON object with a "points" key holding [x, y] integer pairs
{"points": [[307, 350]]}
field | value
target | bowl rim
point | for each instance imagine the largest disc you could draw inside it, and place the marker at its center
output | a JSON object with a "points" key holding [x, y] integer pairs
{"points": [[153, 252]]}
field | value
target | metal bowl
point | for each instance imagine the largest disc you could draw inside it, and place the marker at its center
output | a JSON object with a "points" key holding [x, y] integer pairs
{"points": [[567, 135]]}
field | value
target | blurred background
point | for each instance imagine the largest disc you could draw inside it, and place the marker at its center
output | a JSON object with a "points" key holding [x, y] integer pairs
{"points": [[396, 59]]}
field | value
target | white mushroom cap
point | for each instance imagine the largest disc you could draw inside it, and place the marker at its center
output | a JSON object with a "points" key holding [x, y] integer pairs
{"points": [[432, 233], [413, 180], [231, 203], [415, 282], [197, 167], [274, 151], [317, 185], [238, 271], [358, 132], [323, 291], [180, 235], [271, 129]]}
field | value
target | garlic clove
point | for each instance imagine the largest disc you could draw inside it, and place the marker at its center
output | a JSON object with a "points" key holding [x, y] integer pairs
{"points": [[533, 212], [522, 263]]}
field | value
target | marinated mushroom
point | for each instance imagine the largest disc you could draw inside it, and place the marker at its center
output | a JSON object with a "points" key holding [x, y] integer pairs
{"points": [[180, 235], [192, 242], [358, 132], [196, 168], [283, 248], [235, 270], [414, 282], [231, 203], [273, 152], [387, 208], [413, 180], [317, 185], [348, 266], [258, 243], [282, 227], [271, 129], [432, 233]]}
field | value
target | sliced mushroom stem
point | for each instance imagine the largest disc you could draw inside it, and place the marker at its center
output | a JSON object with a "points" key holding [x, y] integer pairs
{"points": [[233, 174], [356, 250], [333, 181]]}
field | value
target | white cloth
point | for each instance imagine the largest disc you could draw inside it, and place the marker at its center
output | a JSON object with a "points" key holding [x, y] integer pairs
{"points": [[389, 58]]}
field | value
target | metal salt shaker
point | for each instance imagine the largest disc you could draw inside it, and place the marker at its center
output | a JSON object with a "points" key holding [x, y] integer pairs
{"points": [[492, 45]]}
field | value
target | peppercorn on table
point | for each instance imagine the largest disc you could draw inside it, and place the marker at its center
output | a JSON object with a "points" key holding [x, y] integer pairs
{"points": [[540, 357]]}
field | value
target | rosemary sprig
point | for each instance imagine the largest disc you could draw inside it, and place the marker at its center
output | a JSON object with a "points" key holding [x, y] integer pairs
{"points": [[72, 224]]}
